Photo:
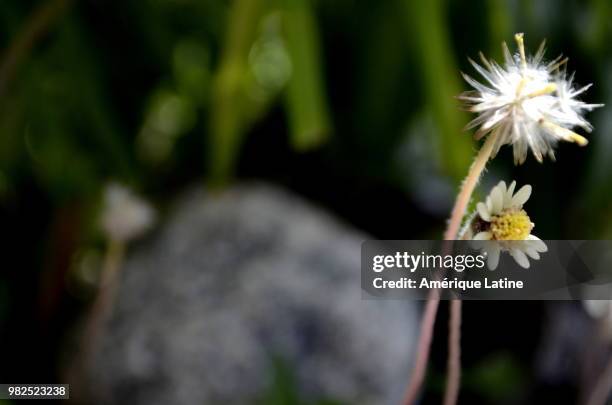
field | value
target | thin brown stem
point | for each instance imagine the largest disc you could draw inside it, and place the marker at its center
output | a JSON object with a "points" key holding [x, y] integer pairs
{"points": [[99, 313], [108, 281], [453, 380], [454, 354], [433, 299], [423, 346]]}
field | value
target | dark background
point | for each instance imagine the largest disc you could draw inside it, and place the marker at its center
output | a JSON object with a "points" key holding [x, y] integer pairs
{"points": [[347, 103]]}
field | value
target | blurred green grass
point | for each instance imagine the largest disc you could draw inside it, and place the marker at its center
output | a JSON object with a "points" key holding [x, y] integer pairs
{"points": [[345, 102]]}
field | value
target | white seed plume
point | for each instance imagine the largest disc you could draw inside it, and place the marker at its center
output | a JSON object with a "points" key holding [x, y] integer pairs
{"points": [[527, 103]]}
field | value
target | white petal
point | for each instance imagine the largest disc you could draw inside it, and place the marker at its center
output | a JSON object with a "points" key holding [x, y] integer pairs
{"points": [[508, 194], [483, 212], [511, 188], [493, 257], [483, 236], [520, 258], [497, 200], [537, 243], [530, 251], [521, 196]]}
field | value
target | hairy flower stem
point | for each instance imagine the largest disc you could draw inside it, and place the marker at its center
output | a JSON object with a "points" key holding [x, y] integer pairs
{"points": [[454, 338], [433, 298], [468, 186]]}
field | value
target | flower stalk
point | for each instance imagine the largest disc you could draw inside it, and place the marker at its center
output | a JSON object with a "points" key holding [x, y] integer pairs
{"points": [[468, 186], [463, 199], [431, 307], [454, 354], [529, 105]]}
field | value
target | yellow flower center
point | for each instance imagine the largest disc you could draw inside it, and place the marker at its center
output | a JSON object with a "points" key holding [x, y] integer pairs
{"points": [[511, 224]]}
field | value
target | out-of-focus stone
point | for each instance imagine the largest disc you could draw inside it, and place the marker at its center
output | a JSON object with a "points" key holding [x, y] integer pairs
{"points": [[235, 281]]}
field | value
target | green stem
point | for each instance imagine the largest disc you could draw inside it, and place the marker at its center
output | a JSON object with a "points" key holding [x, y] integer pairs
{"points": [[227, 121], [305, 99]]}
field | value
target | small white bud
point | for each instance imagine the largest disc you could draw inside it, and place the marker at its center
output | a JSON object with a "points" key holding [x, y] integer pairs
{"points": [[125, 216]]}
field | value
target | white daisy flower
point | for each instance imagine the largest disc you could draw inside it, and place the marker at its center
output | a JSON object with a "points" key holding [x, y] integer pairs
{"points": [[125, 216], [527, 103], [504, 224]]}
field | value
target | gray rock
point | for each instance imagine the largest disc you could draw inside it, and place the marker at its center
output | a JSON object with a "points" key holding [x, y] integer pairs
{"points": [[232, 283]]}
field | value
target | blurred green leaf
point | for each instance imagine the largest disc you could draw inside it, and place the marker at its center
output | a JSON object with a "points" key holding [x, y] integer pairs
{"points": [[169, 116], [230, 103], [596, 31], [65, 125], [283, 390], [497, 377], [305, 99], [269, 60], [500, 26], [191, 68], [430, 38]]}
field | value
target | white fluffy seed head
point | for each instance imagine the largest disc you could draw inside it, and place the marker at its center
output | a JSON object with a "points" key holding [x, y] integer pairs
{"points": [[527, 103]]}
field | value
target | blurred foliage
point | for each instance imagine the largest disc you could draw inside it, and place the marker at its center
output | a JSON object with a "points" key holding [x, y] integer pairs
{"points": [[306, 101], [282, 390], [496, 378], [427, 28], [175, 83], [350, 103]]}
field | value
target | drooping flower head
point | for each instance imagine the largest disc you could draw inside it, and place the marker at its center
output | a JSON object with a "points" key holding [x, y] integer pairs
{"points": [[503, 223], [527, 103]]}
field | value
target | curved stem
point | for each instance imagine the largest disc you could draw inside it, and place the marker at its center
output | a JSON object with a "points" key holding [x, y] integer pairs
{"points": [[103, 302], [423, 347], [468, 186], [433, 299], [101, 309], [453, 380], [454, 354], [112, 262], [108, 281]]}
